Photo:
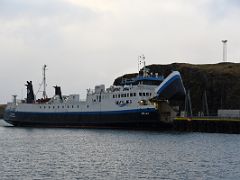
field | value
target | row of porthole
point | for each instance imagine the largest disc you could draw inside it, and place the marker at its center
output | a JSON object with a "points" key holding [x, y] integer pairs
{"points": [[132, 94], [57, 107], [124, 95]]}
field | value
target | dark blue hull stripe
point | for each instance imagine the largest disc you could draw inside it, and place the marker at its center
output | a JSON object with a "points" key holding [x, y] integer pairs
{"points": [[90, 113], [138, 118]]}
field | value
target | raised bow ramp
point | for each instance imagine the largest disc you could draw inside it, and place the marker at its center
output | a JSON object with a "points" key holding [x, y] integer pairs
{"points": [[171, 88]]}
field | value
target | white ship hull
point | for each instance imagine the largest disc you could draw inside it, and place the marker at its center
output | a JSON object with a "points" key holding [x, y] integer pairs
{"points": [[135, 106]]}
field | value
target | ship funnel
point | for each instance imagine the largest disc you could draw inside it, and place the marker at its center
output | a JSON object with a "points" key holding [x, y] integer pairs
{"points": [[58, 91], [171, 88], [30, 93]]}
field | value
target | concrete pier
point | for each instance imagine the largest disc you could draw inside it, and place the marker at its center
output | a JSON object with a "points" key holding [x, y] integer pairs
{"points": [[207, 124]]}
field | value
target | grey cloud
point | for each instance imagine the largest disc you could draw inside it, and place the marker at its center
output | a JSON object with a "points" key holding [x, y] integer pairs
{"points": [[41, 21], [218, 10], [14, 9]]}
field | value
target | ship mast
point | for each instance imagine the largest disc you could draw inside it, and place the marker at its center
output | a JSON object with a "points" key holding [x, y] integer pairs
{"points": [[44, 81]]}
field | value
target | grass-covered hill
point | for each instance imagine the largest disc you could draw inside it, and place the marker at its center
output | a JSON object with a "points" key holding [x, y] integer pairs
{"points": [[220, 81]]}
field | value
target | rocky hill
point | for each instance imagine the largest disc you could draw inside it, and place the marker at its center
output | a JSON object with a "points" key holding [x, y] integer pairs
{"points": [[2, 107], [220, 81]]}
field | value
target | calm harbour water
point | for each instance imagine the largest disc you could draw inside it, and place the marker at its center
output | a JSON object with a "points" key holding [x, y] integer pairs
{"points": [[44, 153]]}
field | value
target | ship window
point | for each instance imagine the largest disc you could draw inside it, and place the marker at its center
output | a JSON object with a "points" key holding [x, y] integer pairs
{"points": [[77, 106], [129, 101], [140, 94], [131, 94], [72, 106], [147, 94], [58, 107], [118, 95], [44, 107], [49, 107], [150, 94], [53, 107], [67, 106], [40, 107], [134, 94], [113, 96], [127, 94], [143, 94]]}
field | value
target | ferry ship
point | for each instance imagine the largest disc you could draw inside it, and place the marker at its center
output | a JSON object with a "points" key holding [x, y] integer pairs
{"points": [[140, 102]]}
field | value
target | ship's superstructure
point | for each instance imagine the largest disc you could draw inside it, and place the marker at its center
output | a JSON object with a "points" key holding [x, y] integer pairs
{"points": [[138, 102]]}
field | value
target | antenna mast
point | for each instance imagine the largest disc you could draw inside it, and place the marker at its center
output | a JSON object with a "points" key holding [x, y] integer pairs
{"points": [[141, 60], [44, 81]]}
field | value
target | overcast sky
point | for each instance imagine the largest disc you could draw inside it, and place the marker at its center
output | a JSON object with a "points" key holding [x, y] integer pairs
{"points": [[89, 42]]}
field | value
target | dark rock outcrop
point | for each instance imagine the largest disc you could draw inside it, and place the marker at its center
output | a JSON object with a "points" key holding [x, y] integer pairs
{"points": [[2, 108], [220, 81]]}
